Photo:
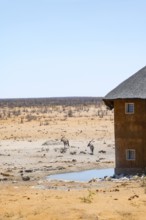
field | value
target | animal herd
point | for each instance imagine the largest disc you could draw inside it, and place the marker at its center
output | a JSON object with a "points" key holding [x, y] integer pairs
{"points": [[90, 144]]}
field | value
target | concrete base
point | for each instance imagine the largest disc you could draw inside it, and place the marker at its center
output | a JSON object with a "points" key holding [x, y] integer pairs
{"points": [[130, 171]]}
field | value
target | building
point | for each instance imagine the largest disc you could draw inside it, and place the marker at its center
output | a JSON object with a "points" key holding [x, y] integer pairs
{"points": [[129, 103]]}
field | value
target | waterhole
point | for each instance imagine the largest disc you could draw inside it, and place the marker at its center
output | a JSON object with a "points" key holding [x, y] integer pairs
{"points": [[83, 176]]}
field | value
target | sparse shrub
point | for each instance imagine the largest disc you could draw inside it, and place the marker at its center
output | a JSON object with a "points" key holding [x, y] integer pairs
{"points": [[16, 113], [100, 113], [46, 123], [63, 150], [30, 117], [143, 182], [70, 113], [73, 153], [9, 114], [46, 143], [102, 151], [82, 152], [88, 198], [21, 121]]}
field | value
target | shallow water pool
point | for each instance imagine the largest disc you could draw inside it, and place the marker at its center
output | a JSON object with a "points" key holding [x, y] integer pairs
{"points": [[83, 176]]}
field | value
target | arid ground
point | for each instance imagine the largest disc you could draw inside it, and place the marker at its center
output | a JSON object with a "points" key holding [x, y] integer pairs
{"points": [[30, 150]]}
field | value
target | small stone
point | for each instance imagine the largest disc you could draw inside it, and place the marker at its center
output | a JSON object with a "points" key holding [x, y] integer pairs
{"points": [[14, 181], [108, 178], [25, 178], [29, 171]]}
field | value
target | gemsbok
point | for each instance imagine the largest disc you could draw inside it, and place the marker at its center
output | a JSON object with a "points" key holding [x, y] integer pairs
{"points": [[65, 142], [90, 144]]}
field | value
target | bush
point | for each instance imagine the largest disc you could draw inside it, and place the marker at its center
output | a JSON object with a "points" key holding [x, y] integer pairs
{"points": [[70, 113]]}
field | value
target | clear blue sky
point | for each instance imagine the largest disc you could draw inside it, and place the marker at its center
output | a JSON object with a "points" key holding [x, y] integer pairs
{"points": [[52, 48]]}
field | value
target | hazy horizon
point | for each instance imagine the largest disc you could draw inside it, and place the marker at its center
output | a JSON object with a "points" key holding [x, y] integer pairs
{"points": [[55, 97]]}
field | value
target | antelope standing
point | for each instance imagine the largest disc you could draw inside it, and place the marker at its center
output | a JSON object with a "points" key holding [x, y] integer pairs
{"points": [[65, 141], [91, 147]]}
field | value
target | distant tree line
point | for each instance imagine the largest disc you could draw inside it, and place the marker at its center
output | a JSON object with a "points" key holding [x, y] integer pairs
{"points": [[64, 101]]}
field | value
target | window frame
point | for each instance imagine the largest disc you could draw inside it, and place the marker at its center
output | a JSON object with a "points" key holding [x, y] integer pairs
{"points": [[127, 154], [126, 108]]}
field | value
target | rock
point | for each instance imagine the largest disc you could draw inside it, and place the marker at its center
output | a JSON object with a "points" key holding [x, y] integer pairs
{"points": [[73, 153], [125, 179], [135, 177], [45, 143], [25, 178], [83, 152], [92, 180], [102, 151], [29, 171], [108, 178], [132, 197], [119, 176], [3, 179], [63, 150], [14, 181], [143, 177], [5, 174], [60, 168]]}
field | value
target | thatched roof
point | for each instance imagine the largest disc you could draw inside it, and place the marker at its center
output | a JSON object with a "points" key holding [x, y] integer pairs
{"points": [[133, 87]]}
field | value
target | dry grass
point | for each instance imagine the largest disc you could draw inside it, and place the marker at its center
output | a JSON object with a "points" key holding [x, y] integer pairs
{"points": [[29, 122]]}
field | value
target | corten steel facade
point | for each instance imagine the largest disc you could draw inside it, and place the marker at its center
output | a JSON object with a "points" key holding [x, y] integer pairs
{"points": [[129, 103], [130, 134]]}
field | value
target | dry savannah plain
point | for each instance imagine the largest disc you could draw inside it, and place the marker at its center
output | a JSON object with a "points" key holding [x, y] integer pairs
{"points": [[31, 149]]}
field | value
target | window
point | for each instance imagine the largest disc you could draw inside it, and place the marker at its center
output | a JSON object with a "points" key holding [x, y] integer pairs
{"points": [[130, 154], [129, 108]]}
